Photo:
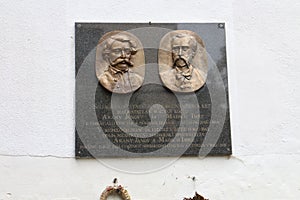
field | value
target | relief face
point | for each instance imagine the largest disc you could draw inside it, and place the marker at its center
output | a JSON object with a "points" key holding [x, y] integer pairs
{"points": [[120, 62], [182, 61]]}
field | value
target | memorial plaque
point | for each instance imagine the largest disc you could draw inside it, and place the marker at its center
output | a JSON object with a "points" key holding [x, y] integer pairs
{"points": [[146, 89]]}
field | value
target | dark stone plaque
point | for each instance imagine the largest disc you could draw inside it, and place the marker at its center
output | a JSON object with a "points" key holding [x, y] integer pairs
{"points": [[155, 119]]}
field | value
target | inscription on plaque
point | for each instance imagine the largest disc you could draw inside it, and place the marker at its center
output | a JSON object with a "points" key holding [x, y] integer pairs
{"points": [[151, 90]]}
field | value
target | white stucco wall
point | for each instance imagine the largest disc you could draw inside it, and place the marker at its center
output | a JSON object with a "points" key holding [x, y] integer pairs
{"points": [[37, 103]]}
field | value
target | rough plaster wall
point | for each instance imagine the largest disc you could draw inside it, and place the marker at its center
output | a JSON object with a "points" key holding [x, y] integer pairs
{"points": [[37, 102]]}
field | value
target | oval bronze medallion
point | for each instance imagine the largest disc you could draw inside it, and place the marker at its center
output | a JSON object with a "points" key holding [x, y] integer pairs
{"points": [[182, 61], [120, 62]]}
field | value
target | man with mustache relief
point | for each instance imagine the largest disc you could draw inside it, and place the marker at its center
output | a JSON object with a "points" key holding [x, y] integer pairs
{"points": [[118, 77], [183, 76]]}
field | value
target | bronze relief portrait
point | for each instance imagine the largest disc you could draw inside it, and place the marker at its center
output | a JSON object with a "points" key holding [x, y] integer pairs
{"points": [[120, 62], [182, 61]]}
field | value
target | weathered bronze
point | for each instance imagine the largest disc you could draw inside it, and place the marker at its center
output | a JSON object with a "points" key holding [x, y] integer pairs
{"points": [[182, 61], [120, 62]]}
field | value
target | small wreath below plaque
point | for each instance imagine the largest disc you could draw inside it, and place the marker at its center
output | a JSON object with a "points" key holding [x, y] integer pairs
{"points": [[196, 197], [115, 190]]}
